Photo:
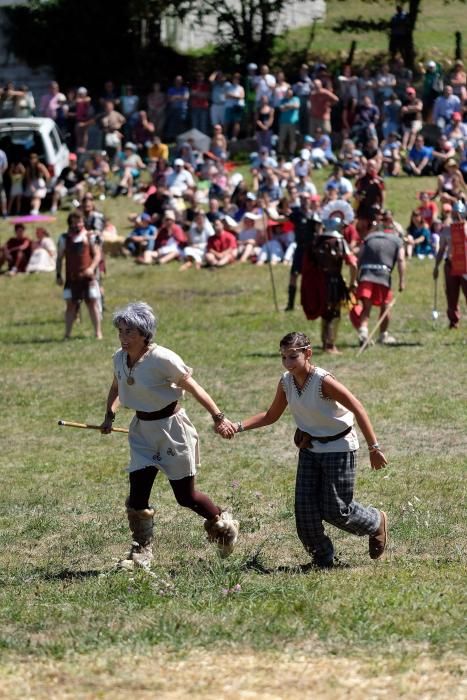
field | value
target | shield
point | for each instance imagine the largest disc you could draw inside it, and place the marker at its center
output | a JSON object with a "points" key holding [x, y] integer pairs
{"points": [[196, 139]]}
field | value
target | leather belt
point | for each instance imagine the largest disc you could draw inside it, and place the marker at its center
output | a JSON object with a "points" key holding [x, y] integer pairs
{"points": [[165, 412]]}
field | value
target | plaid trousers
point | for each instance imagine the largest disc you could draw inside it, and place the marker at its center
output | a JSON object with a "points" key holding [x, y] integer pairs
{"points": [[324, 491]]}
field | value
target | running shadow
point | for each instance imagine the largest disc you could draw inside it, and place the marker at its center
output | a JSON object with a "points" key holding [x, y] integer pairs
{"points": [[68, 575]]}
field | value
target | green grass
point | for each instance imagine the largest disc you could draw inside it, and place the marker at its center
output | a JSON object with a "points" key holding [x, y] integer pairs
{"points": [[434, 35], [62, 492]]}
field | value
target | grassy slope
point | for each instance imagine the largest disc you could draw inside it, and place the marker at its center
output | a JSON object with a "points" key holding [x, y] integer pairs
{"points": [[61, 498]]}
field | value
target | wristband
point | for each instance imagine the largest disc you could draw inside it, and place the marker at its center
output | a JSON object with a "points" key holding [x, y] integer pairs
{"points": [[218, 417], [374, 448], [240, 428]]}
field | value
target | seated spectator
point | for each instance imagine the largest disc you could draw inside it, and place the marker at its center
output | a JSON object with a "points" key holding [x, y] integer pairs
{"points": [[442, 152], [458, 81], [350, 159], [222, 247], [371, 151], [444, 107], [247, 237], [170, 241], [342, 185], [427, 208], [158, 150], [142, 239], [419, 158], [390, 149], [456, 131], [16, 251], [391, 115], [411, 118], [198, 235], [112, 243], [218, 142], [366, 119], [70, 183], [302, 165], [98, 171], [418, 237], [450, 184], [270, 186], [322, 142], [181, 178], [44, 253], [306, 186], [130, 169]]}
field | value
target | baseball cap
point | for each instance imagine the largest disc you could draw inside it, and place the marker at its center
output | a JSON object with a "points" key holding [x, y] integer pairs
{"points": [[308, 139], [457, 116], [410, 91], [129, 145], [252, 66], [315, 198], [72, 156], [82, 91], [179, 161], [169, 214], [431, 64], [145, 216], [251, 196]]}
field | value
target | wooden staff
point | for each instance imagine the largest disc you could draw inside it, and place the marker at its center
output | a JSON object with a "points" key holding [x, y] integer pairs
{"points": [[88, 426], [380, 320]]}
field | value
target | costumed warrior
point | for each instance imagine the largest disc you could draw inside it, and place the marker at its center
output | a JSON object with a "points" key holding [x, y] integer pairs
{"points": [[305, 219], [379, 252], [323, 288], [151, 380], [324, 412], [453, 248]]}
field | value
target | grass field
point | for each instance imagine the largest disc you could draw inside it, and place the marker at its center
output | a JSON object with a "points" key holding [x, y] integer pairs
{"points": [[434, 35], [72, 628]]}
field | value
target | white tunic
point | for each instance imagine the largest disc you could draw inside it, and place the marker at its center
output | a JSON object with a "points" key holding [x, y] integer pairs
{"points": [[317, 415]]}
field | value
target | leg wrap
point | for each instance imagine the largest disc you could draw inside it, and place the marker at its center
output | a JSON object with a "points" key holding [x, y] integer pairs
{"points": [[223, 530], [141, 524]]}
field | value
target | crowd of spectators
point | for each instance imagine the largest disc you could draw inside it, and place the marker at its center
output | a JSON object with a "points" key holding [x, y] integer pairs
{"points": [[196, 207]]}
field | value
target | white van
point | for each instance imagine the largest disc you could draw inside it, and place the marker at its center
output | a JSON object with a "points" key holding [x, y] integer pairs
{"points": [[20, 137]]}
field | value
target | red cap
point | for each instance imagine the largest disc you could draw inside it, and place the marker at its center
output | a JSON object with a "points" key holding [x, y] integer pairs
{"points": [[457, 115], [410, 91], [315, 198], [72, 156]]}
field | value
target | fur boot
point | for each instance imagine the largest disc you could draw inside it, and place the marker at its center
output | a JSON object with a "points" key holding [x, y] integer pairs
{"points": [[223, 530], [141, 524]]}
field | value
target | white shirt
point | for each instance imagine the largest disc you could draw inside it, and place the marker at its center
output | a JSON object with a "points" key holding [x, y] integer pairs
{"points": [[155, 375], [319, 416]]}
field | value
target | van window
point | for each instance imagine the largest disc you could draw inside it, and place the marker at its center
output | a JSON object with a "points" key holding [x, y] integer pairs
{"points": [[18, 143], [55, 138]]}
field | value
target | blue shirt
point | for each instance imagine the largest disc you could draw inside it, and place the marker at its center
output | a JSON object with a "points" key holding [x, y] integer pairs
{"points": [[418, 154]]}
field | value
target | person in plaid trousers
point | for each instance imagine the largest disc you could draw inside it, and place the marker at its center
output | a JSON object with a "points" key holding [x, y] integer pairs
{"points": [[324, 411]]}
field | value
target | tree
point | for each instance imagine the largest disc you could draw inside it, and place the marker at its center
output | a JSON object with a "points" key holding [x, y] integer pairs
{"points": [[413, 8], [248, 27]]}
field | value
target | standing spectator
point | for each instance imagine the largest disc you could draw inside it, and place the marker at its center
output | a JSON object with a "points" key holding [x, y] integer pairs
{"points": [[129, 105], [264, 122], [289, 114], [131, 166], [385, 85], [302, 88], [280, 89], [199, 103], [411, 118], [178, 96], [16, 252], [403, 75], [366, 120], [321, 102], [458, 81], [250, 97], [264, 85], [82, 257], [391, 115], [399, 30], [109, 92], [16, 172], [234, 106], [3, 169], [432, 87], [366, 85], [49, 102], [348, 95], [156, 102], [143, 132], [306, 222], [111, 123], [84, 119], [9, 100], [445, 106], [217, 112], [36, 179], [25, 104]]}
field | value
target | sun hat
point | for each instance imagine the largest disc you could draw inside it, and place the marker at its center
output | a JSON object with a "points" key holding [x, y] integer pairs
{"points": [[179, 161], [130, 146]]}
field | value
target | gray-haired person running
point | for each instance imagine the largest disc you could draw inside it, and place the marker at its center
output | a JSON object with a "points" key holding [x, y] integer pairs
{"points": [[324, 411], [152, 379]]}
